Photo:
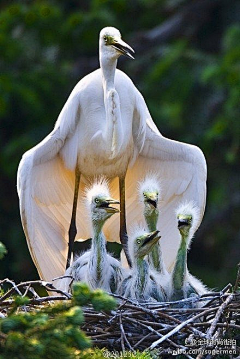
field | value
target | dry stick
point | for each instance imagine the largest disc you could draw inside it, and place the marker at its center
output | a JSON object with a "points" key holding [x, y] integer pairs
{"points": [[213, 326], [194, 330], [142, 340], [123, 333], [122, 339], [34, 301], [179, 327], [140, 307], [219, 325], [14, 287], [155, 332], [237, 279], [218, 315], [150, 329], [44, 284]]}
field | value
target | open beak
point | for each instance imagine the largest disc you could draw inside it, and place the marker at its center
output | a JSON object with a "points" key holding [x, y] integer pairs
{"points": [[152, 202], [123, 48], [182, 223], [150, 240], [106, 204]]}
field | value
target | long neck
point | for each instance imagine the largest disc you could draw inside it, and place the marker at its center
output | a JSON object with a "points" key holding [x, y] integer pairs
{"points": [[113, 134], [108, 67], [151, 218], [98, 251], [141, 270], [180, 268], [155, 256]]}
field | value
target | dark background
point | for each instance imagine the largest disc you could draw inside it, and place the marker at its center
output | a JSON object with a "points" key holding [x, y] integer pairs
{"points": [[187, 67]]}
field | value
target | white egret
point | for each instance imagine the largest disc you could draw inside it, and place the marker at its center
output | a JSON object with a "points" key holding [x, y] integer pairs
{"points": [[183, 284], [96, 267], [141, 284], [103, 129]]}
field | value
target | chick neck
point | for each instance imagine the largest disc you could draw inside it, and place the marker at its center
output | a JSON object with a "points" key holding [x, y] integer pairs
{"points": [[155, 255], [98, 248], [180, 268]]}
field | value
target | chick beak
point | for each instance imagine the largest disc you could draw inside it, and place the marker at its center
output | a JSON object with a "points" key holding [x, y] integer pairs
{"points": [[111, 209], [152, 238], [152, 202], [182, 223], [123, 48]]}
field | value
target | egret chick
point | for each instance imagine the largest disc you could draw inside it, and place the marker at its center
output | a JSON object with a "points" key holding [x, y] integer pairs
{"points": [[149, 191], [183, 283], [96, 267], [141, 284]]}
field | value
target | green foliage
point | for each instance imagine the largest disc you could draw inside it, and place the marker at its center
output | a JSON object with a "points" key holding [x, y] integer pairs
{"points": [[98, 298], [3, 250], [51, 331], [104, 353]]}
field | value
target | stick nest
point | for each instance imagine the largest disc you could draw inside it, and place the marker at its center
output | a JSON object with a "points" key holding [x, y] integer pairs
{"points": [[210, 321]]}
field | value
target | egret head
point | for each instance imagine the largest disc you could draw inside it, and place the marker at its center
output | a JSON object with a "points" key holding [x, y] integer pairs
{"points": [[149, 191], [188, 218], [112, 45], [99, 202], [141, 242]]}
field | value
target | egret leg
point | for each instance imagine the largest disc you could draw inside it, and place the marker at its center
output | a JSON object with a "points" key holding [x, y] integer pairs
{"points": [[123, 227], [73, 228]]}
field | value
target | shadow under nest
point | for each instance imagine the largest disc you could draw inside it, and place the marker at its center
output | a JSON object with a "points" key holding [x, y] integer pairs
{"points": [[210, 322]]}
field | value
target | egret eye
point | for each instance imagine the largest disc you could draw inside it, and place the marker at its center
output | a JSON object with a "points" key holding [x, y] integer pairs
{"points": [[138, 241], [97, 200], [105, 38]]}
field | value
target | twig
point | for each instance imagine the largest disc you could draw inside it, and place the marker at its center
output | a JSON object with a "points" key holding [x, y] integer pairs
{"points": [[123, 333], [235, 288], [179, 327], [218, 315]]}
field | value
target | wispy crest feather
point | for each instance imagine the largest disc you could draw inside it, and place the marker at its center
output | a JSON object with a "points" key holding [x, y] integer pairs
{"points": [[100, 187], [135, 231], [190, 208], [151, 183]]}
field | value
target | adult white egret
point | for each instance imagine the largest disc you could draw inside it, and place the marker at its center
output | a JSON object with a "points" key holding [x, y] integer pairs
{"points": [[141, 284], [150, 192], [103, 129], [96, 267], [183, 284]]}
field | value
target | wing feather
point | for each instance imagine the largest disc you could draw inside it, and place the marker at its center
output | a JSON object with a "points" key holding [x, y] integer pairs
{"points": [[45, 184], [182, 170]]}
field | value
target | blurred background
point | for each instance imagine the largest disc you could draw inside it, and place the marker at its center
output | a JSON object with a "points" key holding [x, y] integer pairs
{"points": [[187, 67]]}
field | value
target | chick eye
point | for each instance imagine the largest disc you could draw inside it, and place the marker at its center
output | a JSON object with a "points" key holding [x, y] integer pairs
{"points": [[105, 38], [96, 200], [138, 241]]}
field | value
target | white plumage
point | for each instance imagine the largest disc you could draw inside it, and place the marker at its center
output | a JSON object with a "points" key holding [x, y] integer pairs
{"points": [[142, 281], [183, 284], [104, 128], [96, 267]]}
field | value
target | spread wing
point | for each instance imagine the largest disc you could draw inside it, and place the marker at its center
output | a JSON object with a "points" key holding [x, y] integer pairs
{"points": [[182, 171], [46, 188]]}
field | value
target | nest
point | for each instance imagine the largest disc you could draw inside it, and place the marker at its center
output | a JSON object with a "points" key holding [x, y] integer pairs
{"points": [[195, 326], [209, 321]]}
